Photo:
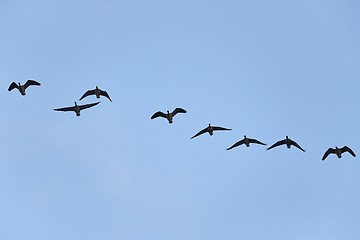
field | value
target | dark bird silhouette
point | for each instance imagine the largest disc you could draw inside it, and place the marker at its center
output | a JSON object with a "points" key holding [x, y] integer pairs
{"points": [[246, 141], [169, 115], [338, 152], [76, 108], [22, 88], [288, 143], [97, 92], [209, 129]]}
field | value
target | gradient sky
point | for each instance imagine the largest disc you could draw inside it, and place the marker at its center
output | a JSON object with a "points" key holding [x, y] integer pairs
{"points": [[266, 69]]}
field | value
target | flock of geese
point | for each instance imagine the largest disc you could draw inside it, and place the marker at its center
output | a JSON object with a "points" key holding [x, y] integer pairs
{"points": [[76, 108], [170, 115], [287, 141]]}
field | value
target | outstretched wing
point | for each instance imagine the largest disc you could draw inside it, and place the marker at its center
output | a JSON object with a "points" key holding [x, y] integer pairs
{"points": [[12, 86], [347, 149], [296, 145], [236, 144], [105, 94], [256, 141], [199, 133], [88, 105], [178, 110], [276, 144], [158, 114], [65, 109], [88, 93], [31, 82], [330, 150], [219, 128]]}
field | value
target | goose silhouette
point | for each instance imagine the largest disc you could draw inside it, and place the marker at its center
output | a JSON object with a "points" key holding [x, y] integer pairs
{"points": [[22, 88], [246, 141], [97, 92], [76, 108], [288, 143], [169, 115], [210, 129], [338, 152]]}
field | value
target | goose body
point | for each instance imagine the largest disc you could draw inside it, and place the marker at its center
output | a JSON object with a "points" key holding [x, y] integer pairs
{"points": [[338, 152], [169, 115], [76, 108], [246, 141], [22, 88], [97, 92], [210, 129], [288, 142]]}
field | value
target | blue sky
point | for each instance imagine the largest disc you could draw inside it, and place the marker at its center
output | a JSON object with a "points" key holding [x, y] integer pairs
{"points": [[266, 69]]}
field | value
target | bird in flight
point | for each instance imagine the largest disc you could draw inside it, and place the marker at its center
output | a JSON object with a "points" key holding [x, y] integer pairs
{"points": [[246, 141], [22, 88], [97, 92], [288, 143], [338, 152], [76, 108], [210, 129], [169, 115]]}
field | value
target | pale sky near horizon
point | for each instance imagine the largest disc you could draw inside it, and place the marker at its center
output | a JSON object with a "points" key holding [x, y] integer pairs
{"points": [[265, 69]]}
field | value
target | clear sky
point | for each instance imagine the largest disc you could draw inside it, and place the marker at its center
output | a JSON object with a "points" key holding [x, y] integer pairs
{"points": [[266, 69]]}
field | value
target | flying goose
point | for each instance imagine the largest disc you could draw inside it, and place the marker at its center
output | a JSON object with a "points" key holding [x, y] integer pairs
{"points": [[169, 115], [246, 141], [288, 143], [76, 108], [97, 92], [210, 129], [22, 88], [338, 152]]}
